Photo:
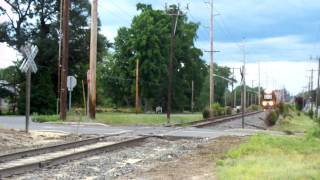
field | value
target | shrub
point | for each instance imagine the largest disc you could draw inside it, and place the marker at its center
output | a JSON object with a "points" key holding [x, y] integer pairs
{"points": [[217, 110], [254, 107], [281, 108], [299, 103], [271, 118], [206, 114], [315, 133], [310, 113], [45, 118], [228, 110]]}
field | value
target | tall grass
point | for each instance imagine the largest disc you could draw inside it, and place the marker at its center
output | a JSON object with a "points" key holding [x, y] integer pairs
{"points": [[269, 157], [124, 118]]}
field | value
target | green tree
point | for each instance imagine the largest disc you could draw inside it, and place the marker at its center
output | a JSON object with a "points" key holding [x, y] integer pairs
{"points": [[148, 40], [220, 86], [42, 31]]}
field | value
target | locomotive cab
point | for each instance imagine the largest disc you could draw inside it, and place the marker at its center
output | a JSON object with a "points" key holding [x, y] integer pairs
{"points": [[269, 100]]}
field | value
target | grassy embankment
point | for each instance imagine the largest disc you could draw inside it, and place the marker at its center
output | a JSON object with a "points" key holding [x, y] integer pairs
{"points": [[124, 118], [276, 157]]}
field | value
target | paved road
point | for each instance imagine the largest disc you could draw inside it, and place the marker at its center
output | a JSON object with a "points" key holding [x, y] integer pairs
{"points": [[17, 122]]}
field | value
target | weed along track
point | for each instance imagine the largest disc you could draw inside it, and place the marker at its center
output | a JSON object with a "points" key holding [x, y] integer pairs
{"points": [[30, 160]]}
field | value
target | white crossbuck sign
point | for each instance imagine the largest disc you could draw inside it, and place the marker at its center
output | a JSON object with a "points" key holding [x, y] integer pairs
{"points": [[29, 52]]}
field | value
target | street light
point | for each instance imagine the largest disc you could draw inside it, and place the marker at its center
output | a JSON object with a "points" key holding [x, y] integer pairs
{"points": [[227, 79]]}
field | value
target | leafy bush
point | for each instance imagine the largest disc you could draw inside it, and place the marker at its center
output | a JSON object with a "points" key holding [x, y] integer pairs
{"points": [[45, 118], [206, 114], [283, 109], [228, 110], [217, 110], [271, 118], [315, 133], [254, 107], [299, 103], [310, 114]]}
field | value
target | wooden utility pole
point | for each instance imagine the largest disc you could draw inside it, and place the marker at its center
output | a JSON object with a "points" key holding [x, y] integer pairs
{"points": [[93, 59], [243, 97], [252, 93], [233, 90], [28, 90], [84, 97], [192, 95], [137, 86], [259, 88], [244, 86], [175, 15], [318, 90], [59, 54], [311, 86], [64, 64], [211, 55]]}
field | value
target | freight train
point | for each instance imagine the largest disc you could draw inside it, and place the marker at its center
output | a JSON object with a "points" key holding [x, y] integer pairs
{"points": [[270, 99]]}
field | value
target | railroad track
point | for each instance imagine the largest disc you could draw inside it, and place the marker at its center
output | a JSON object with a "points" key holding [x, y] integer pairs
{"points": [[210, 122], [30, 160]]}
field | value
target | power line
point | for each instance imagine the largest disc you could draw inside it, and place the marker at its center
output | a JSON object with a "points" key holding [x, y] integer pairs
{"points": [[203, 30]]}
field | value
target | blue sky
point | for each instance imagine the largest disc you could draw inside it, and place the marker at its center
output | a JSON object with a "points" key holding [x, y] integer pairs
{"points": [[274, 30], [282, 34]]}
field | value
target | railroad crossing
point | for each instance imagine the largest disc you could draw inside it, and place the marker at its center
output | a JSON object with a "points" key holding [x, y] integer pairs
{"points": [[94, 128]]}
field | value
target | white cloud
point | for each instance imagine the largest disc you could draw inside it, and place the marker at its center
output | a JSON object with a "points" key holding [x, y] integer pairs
{"points": [[275, 75], [8, 55], [289, 48]]}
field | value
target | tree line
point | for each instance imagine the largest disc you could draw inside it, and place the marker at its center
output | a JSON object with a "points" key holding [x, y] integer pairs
{"points": [[146, 39]]}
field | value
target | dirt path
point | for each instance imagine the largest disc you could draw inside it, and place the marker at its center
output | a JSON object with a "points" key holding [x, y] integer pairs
{"points": [[198, 165]]}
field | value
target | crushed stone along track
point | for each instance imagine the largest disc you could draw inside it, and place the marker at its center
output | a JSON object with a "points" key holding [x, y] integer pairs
{"points": [[255, 122], [214, 121], [118, 163], [30, 160]]}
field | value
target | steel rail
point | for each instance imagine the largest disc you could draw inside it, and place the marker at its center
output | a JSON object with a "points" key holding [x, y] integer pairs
{"points": [[20, 169], [204, 120], [210, 122], [47, 149]]}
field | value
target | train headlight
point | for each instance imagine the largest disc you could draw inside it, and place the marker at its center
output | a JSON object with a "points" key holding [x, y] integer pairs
{"points": [[271, 103], [264, 103]]}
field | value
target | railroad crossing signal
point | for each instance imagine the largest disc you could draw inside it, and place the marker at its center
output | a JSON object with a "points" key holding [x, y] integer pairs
{"points": [[28, 66], [29, 52]]}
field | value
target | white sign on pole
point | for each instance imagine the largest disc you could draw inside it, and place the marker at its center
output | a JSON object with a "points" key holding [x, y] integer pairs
{"points": [[71, 82]]}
